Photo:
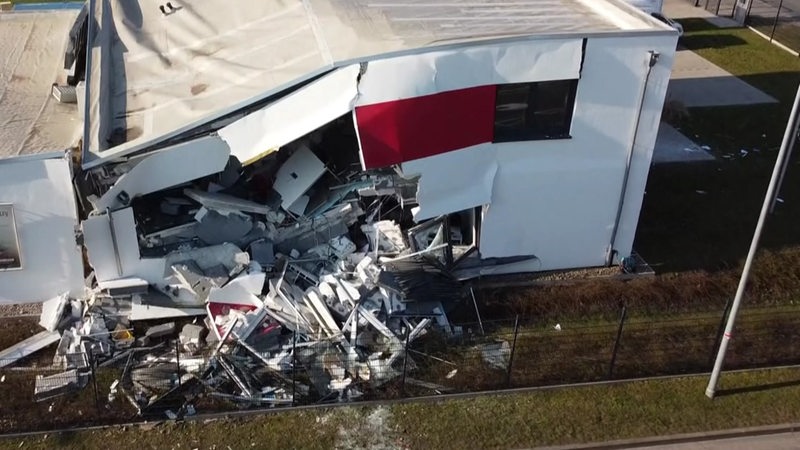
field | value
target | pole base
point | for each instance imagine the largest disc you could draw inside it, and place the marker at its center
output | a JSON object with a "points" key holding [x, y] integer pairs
{"points": [[710, 393]]}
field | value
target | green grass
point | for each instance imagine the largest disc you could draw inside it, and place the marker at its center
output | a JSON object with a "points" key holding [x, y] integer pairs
{"points": [[681, 229], [567, 416]]}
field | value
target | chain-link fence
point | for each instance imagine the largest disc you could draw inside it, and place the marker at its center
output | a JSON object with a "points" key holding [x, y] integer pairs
{"points": [[778, 20], [168, 380], [723, 8]]}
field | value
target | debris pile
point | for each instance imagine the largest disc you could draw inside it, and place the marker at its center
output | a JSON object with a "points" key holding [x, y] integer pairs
{"points": [[235, 286]]}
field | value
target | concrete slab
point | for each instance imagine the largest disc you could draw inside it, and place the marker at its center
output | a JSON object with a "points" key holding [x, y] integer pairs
{"points": [[673, 146], [696, 82], [784, 441], [32, 54]]}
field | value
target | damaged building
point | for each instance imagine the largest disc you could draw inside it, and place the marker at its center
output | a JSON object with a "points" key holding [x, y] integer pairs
{"points": [[316, 178]]}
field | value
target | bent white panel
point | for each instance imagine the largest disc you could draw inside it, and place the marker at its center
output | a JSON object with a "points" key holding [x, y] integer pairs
{"points": [[157, 74], [555, 202], [293, 116], [170, 167], [447, 70], [40, 190], [117, 256], [557, 199], [468, 186], [648, 125]]}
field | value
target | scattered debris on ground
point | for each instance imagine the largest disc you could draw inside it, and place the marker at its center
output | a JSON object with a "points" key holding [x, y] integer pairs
{"points": [[331, 276]]}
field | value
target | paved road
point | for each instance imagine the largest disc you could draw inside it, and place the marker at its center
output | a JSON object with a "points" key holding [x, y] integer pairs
{"points": [[784, 441]]}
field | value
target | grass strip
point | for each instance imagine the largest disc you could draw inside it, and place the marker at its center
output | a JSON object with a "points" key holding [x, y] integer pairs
{"points": [[552, 417]]}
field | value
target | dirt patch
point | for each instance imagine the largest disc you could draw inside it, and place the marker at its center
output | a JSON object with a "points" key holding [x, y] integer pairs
{"points": [[199, 88], [16, 329], [775, 281]]}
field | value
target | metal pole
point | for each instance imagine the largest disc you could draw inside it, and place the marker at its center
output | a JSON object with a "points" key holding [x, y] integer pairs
{"points": [[622, 315], [405, 360], [775, 24], [178, 359], [477, 312], [93, 365], [294, 366], [513, 350], [720, 330], [610, 251], [785, 165], [726, 337]]}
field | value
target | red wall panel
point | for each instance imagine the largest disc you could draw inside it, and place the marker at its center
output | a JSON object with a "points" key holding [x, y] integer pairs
{"points": [[413, 128]]}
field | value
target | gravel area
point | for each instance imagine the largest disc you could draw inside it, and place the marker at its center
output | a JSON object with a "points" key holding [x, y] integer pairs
{"points": [[20, 309]]}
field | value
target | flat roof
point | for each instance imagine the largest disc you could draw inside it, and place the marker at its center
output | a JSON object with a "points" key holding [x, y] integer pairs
{"points": [[155, 75], [31, 60]]}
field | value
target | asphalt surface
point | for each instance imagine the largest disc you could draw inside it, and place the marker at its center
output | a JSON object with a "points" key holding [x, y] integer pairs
{"points": [[783, 441]]}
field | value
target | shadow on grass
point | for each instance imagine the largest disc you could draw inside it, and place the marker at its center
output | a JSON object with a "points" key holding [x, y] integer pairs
{"points": [[701, 216], [695, 24], [760, 388], [696, 42]]}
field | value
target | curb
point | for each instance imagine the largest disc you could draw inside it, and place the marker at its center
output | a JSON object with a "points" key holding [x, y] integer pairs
{"points": [[683, 438]]}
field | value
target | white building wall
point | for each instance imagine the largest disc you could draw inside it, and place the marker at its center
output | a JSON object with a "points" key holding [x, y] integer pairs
{"points": [[40, 190], [558, 199]]}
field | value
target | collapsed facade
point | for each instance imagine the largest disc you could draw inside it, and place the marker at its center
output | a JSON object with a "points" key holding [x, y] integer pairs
{"points": [[330, 166]]}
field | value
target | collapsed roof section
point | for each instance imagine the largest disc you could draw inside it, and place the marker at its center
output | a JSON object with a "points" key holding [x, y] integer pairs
{"points": [[155, 74]]}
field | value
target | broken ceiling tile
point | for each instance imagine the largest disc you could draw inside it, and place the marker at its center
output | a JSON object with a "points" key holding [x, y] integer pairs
{"points": [[297, 175]]}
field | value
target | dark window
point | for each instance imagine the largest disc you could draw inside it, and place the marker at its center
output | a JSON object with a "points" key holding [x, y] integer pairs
{"points": [[529, 111]]}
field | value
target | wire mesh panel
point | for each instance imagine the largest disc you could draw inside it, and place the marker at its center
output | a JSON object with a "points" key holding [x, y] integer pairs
{"points": [[723, 8], [778, 20], [171, 379]]}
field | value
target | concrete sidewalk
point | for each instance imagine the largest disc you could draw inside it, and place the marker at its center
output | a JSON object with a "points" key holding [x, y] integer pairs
{"points": [[784, 441], [769, 437], [696, 82]]}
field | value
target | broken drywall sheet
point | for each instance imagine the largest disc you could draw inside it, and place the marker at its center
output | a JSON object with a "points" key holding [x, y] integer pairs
{"points": [[226, 203], [28, 346], [447, 70], [259, 133], [296, 176], [454, 181], [52, 311], [115, 254], [167, 168]]}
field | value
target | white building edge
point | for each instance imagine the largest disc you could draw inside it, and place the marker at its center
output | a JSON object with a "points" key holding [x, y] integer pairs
{"points": [[537, 118]]}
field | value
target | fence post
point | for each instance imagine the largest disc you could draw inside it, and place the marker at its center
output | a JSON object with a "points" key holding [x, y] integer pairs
{"points": [[294, 367], [622, 315], [93, 368], [405, 361], [477, 312], [513, 350], [775, 23], [178, 360]]}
